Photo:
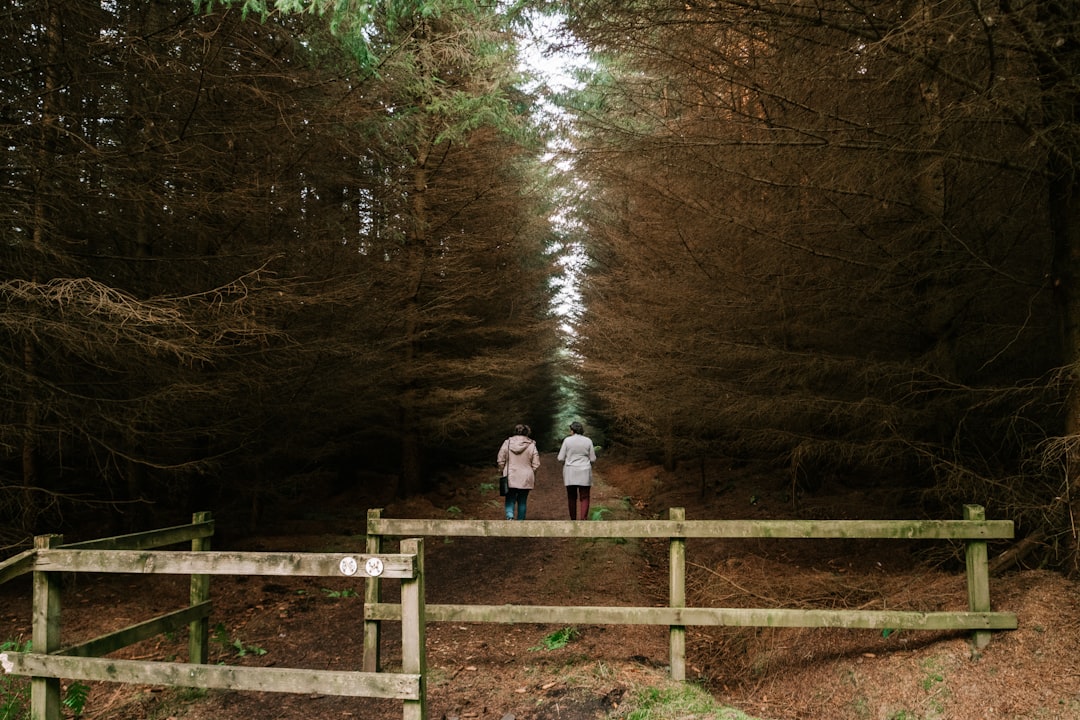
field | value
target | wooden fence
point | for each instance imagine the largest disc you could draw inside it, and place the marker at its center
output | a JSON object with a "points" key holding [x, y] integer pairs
{"points": [[975, 530], [49, 661]]}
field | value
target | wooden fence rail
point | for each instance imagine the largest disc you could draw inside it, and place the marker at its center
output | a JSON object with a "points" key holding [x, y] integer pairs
{"points": [[50, 661], [974, 530]]}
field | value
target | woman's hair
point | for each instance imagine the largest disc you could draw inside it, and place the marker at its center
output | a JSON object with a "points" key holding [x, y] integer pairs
{"points": [[577, 428], [522, 430]]}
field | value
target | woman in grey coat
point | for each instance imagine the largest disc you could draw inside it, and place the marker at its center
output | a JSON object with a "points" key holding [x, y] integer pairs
{"points": [[577, 455]]}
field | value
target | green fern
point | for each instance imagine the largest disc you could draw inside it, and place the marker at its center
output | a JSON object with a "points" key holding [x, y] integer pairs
{"points": [[75, 698], [221, 637]]}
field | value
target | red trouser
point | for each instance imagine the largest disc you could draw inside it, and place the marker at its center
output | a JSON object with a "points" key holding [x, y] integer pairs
{"points": [[575, 493]]}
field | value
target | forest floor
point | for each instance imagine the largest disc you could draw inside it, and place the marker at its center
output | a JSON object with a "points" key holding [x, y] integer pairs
{"points": [[493, 671]]}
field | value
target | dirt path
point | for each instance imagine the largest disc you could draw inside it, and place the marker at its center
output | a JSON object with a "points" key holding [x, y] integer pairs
{"points": [[542, 571], [494, 670], [548, 500]]}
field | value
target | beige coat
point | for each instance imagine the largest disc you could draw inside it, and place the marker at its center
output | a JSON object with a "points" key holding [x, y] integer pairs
{"points": [[519, 459]]}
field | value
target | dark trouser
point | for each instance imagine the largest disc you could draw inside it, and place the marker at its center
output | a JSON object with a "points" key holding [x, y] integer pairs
{"points": [[574, 493], [516, 499]]}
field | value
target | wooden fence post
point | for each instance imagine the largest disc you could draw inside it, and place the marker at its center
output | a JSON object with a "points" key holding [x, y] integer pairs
{"points": [[45, 638], [677, 598], [372, 595], [978, 575], [413, 629], [199, 630]]}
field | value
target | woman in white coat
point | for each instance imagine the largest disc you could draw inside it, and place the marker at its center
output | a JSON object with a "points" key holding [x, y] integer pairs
{"points": [[577, 455]]}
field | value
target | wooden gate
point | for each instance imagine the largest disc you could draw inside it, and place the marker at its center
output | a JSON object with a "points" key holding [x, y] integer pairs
{"points": [[50, 660], [974, 530]]}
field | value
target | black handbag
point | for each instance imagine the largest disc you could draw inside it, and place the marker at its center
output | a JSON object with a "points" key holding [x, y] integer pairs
{"points": [[504, 481]]}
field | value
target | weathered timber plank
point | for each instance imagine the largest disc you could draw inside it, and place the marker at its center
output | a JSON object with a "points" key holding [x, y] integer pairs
{"points": [[677, 598], [978, 573], [17, 565], [736, 617], [223, 677], [105, 644], [895, 529], [149, 539], [218, 563], [414, 630], [198, 593], [372, 594], [45, 633]]}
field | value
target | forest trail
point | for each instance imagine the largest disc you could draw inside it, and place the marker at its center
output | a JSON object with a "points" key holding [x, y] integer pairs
{"points": [[488, 671], [546, 571], [540, 571], [547, 501]]}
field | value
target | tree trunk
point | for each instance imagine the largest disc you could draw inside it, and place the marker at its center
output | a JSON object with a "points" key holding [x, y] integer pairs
{"points": [[411, 441], [42, 196], [1065, 224], [1058, 67]]}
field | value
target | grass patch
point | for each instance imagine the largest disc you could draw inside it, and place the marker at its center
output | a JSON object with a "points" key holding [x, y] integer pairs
{"points": [[933, 677], [14, 689], [556, 640], [336, 594], [675, 703]]}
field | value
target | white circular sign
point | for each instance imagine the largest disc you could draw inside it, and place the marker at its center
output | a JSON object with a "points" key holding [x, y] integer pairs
{"points": [[347, 566], [374, 567]]}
